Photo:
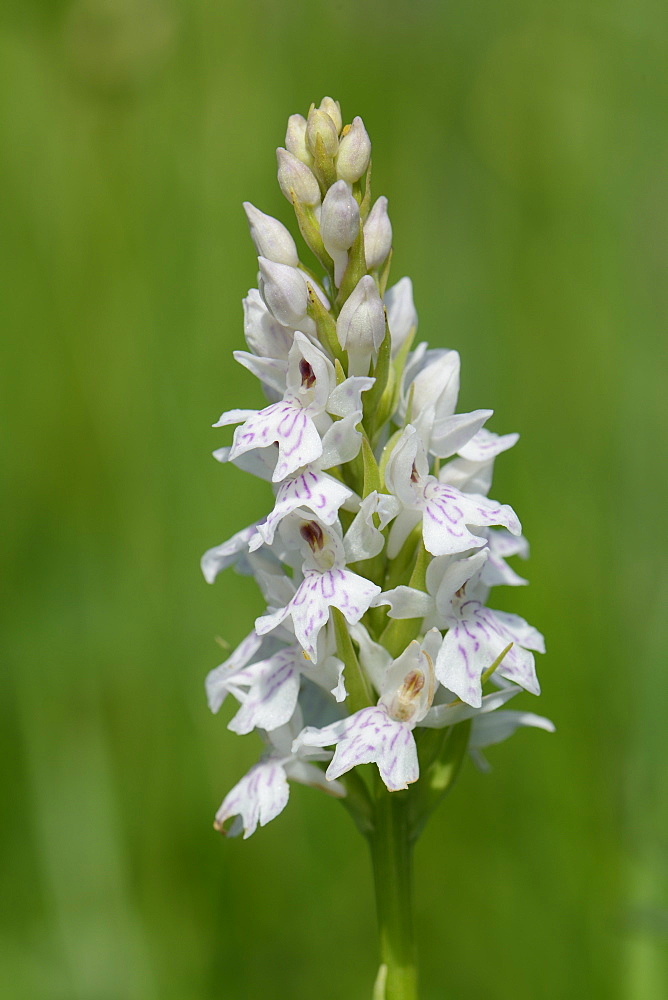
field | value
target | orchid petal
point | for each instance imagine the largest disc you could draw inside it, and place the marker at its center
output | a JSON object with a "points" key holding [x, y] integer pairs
{"points": [[406, 602], [475, 639], [218, 680], [309, 608], [502, 545], [486, 445], [273, 689], [222, 556], [270, 371], [374, 658], [347, 397], [308, 774], [363, 539], [265, 336], [233, 417], [447, 574], [341, 442], [453, 433], [315, 392], [288, 425], [369, 736], [447, 513], [490, 729], [440, 716], [260, 463], [312, 489], [258, 798]]}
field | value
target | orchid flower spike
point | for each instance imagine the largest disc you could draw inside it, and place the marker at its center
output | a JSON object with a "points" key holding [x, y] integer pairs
{"points": [[380, 545]]}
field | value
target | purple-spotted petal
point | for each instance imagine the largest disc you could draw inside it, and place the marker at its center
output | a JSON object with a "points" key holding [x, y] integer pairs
{"points": [[448, 513], [476, 637], [369, 736], [309, 608], [258, 798], [315, 490], [273, 687], [289, 426]]}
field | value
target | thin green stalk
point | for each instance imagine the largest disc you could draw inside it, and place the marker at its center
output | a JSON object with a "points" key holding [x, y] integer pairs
{"points": [[392, 857]]}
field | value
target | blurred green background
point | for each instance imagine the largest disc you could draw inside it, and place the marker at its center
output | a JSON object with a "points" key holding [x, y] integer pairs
{"points": [[523, 147]]}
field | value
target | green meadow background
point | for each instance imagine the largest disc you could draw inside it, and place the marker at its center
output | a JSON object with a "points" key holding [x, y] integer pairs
{"points": [[524, 151]]}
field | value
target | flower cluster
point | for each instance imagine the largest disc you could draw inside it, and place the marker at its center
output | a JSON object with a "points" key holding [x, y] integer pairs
{"points": [[382, 547]]}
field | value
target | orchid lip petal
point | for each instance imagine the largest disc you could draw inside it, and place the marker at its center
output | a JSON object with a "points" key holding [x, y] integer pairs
{"points": [[310, 489], [369, 736], [476, 637], [309, 608]]}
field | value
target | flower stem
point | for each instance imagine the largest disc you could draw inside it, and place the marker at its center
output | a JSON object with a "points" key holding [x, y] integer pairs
{"points": [[392, 857]]}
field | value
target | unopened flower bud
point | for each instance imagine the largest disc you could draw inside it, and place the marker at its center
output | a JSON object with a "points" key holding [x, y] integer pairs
{"points": [[319, 124], [283, 289], [377, 235], [293, 175], [272, 240], [354, 152], [339, 225], [401, 314], [333, 109], [361, 325], [295, 139], [339, 218]]}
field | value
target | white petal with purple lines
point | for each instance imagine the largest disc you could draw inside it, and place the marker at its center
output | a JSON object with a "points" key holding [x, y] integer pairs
{"points": [[258, 798], [369, 736], [312, 489], [272, 690], [448, 512], [476, 637], [309, 608], [288, 425]]}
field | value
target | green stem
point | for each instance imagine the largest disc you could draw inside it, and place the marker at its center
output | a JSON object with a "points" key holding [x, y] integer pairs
{"points": [[392, 857]]}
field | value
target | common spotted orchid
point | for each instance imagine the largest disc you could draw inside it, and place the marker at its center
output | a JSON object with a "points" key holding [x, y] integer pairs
{"points": [[379, 552]]}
